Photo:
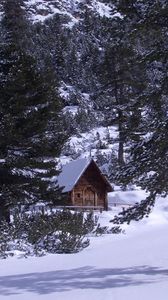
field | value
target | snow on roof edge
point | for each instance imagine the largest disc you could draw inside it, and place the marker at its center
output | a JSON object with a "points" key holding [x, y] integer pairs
{"points": [[74, 171]]}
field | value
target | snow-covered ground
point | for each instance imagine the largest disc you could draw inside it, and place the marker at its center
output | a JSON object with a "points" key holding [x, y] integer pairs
{"points": [[125, 198], [86, 144], [40, 10], [130, 266]]}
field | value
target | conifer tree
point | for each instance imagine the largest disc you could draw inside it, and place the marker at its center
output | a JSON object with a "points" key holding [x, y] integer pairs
{"points": [[148, 165], [31, 132], [121, 83]]}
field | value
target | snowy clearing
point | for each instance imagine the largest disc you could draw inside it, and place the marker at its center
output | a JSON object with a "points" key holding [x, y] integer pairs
{"points": [[130, 266]]}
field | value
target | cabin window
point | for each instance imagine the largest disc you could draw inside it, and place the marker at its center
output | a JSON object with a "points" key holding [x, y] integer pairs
{"points": [[78, 195]]}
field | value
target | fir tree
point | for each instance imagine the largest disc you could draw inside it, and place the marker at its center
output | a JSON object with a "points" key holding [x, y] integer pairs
{"points": [[148, 165], [31, 132], [121, 82]]}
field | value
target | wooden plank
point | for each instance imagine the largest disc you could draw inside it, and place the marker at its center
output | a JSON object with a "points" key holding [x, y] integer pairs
{"points": [[73, 197]]}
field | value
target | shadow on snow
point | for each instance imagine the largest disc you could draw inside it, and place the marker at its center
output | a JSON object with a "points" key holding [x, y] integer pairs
{"points": [[80, 278]]}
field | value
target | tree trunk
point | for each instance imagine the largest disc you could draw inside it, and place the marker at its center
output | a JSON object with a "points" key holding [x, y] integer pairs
{"points": [[121, 139], [4, 214]]}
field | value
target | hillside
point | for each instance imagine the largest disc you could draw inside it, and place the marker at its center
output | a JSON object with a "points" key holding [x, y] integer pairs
{"points": [[82, 78], [40, 10]]}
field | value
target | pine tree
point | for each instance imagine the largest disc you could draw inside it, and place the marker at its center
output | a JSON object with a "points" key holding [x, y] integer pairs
{"points": [[31, 132], [148, 165], [121, 82]]}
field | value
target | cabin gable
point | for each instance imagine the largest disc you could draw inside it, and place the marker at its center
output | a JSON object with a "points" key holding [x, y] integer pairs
{"points": [[90, 188]]}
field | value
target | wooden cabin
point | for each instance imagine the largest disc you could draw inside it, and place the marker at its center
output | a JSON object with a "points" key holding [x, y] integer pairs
{"points": [[84, 185]]}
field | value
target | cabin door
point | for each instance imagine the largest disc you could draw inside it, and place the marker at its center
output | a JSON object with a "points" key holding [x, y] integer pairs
{"points": [[89, 197]]}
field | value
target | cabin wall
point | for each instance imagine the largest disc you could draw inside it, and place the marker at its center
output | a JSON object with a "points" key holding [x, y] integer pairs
{"points": [[90, 190], [95, 179]]}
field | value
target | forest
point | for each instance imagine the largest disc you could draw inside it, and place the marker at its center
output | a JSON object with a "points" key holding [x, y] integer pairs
{"points": [[110, 62]]}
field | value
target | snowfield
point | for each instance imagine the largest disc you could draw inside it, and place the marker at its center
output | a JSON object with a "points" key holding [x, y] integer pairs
{"points": [[130, 266]]}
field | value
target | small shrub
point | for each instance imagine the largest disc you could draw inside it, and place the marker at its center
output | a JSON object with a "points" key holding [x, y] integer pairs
{"points": [[106, 230], [37, 233], [53, 232]]}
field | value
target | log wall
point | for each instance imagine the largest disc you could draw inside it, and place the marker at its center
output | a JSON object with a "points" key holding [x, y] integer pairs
{"points": [[90, 190]]}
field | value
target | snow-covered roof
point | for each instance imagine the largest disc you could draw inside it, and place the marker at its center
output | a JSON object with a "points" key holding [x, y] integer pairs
{"points": [[71, 172]]}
